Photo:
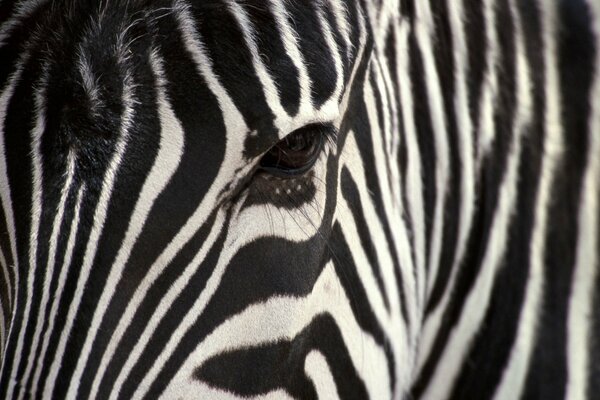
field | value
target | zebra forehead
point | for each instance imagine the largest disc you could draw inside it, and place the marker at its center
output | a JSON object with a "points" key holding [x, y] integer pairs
{"points": [[99, 49]]}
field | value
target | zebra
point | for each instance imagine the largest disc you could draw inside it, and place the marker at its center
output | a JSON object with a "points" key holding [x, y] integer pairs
{"points": [[299, 199]]}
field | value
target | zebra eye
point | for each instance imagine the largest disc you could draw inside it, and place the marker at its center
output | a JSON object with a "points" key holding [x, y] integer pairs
{"points": [[296, 153]]}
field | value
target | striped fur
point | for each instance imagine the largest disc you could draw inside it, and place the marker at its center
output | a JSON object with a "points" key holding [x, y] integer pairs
{"points": [[444, 245]]}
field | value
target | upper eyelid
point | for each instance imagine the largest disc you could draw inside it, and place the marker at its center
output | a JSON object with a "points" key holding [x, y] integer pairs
{"points": [[326, 127]]}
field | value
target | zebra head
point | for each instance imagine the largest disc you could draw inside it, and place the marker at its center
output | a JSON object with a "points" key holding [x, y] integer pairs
{"points": [[299, 199], [180, 217]]}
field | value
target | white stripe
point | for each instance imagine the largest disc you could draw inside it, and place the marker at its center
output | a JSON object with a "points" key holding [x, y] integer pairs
{"points": [[580, 331], [489, 89], [295, 225], [49, 269], [100, 215], [414, 180], [478, 299], [340, 11], [361, 46], [285, 318], [515, 372], [318, 371], [467, 188], [403, 343], [36, 211], [363, 269], [464, 131], [424, 28], [23, 10], [2, 328], [380, 159], [198, 390], [161, 310], [232, 245], [292, 49], [385, 127], [391, 100], [282, 120], [333, 102], [6, 276], [5, 192], [165, 164], [233, 123], [64, 269]]}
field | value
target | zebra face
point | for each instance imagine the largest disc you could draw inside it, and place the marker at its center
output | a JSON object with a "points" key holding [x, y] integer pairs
{"points": [[177, 182], [299, 199]]}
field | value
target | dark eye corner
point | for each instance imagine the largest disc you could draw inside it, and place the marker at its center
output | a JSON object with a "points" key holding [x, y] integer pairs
{"points": [[297, 153]]}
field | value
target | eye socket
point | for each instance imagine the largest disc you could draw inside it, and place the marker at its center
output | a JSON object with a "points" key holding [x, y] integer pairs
{"points": [[296, 153]]}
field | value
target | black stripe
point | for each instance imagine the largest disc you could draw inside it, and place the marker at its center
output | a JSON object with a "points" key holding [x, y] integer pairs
{"points": [[19, 122], [493, 172], [493, 345], [272, 52], [351, 195], [261, 269], [425, 135], [444, 59], [232, 63], [575, 40], [593, 365], [317, 55], [145, 311], [282, 364], [475, 26], [61, 249]]}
